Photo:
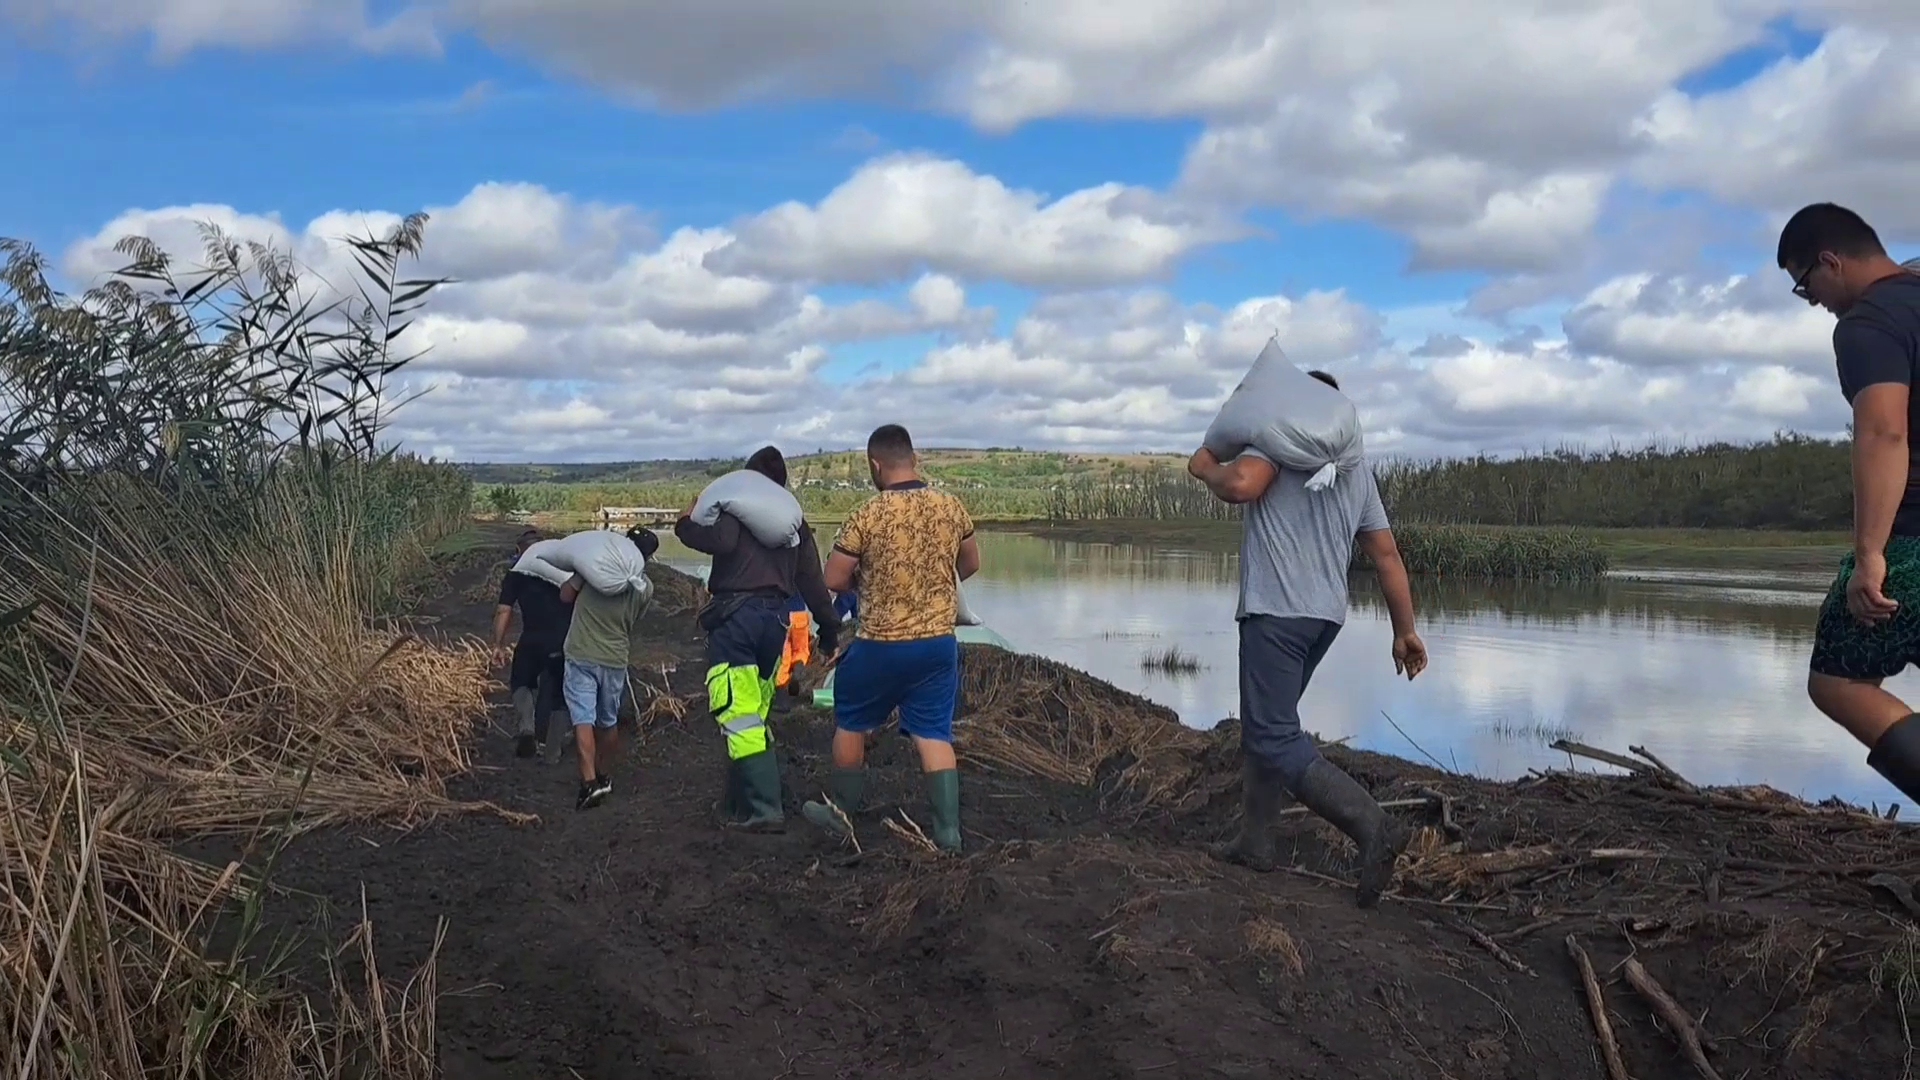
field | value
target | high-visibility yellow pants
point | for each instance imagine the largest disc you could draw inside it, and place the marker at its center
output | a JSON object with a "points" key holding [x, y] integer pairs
{"points": [[741, 701], [799, 648]]}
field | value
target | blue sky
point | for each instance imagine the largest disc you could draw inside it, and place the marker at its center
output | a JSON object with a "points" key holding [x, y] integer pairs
{"points": [[1299, 202]]}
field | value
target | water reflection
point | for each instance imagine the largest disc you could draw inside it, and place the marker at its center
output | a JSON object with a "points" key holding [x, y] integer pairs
{"points": [[1707, 670]]}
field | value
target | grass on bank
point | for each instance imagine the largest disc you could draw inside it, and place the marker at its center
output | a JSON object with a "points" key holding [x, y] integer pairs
{"points": [[203, 535], [1733, 549]]}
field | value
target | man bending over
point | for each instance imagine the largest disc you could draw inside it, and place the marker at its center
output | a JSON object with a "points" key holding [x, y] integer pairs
{"points": [[1295, 552], [904, 546]]}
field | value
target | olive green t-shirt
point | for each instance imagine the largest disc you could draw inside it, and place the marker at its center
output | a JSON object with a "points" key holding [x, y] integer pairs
{"points": [[602, 630]]}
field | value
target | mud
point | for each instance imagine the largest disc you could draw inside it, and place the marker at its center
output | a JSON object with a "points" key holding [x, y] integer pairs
{"points": [[1086, 935]]}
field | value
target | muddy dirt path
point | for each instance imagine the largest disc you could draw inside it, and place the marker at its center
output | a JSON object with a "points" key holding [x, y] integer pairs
{"points": [[1083, 936]]}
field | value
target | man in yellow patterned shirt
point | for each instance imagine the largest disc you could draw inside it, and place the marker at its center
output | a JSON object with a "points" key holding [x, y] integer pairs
{"points": [[909, 548]]}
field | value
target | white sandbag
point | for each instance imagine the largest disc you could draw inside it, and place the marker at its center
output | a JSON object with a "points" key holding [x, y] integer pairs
{"points": [[962, 613], [608, 561], [1300, 422], [532, 563], [769, 511]]}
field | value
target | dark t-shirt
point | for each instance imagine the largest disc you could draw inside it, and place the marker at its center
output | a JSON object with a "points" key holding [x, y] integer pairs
{"points": [[1878, 341], [544, 617]]}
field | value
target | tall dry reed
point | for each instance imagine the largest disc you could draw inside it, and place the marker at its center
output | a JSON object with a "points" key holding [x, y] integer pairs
{"points": [[204, 534]]}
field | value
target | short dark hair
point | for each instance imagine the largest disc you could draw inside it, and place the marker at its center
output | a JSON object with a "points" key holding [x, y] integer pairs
{"points": [[890, 444], [645, 539], [768, 462], [1825, 227], [527, 538], [1325, 378]]}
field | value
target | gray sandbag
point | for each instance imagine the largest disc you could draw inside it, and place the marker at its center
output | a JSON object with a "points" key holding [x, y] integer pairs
{"points": [[608, 561], [1300, 422], [768, 511]]}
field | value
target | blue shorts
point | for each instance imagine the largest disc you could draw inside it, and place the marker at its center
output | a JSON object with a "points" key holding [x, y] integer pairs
{"points": [[593, 693], [920, 678]]}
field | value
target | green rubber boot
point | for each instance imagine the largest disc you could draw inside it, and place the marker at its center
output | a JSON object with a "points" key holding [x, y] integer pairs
{"points": [[733, 799], [847, 791], [943, 791], [760, 792]]}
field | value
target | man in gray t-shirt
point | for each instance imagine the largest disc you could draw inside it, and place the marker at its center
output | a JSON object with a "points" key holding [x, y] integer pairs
{"points": [[1295, 552]]}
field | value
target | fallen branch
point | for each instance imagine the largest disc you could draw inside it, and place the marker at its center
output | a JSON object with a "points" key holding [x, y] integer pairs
{"points": [[1390, 804], [1597, 1009], [1499, 951], [1664, 768], [1684, 1030], [1568, 746], [1447, 826]]}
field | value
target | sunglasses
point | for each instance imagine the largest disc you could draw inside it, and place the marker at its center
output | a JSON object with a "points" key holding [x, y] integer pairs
{"points": [[1800, 288]]}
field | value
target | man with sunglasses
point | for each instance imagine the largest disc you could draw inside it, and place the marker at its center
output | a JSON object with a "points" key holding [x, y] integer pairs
{"points": [[1869, 626]]}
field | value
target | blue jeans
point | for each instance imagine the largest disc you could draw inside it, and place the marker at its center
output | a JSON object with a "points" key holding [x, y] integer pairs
{"points": [[920, 678], [594, 693]]}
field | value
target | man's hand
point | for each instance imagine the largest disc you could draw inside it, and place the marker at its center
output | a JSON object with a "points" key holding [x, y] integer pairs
{"points": [[691, 503], [829, 640], [1409, 654], [1866, 597], [501, 654]]}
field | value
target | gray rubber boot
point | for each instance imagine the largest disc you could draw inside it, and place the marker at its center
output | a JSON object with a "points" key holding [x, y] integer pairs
{"points": [[1340, 799], [1262, 797], [1896, 755], [847, 790], [523, 707], [559, 735]]}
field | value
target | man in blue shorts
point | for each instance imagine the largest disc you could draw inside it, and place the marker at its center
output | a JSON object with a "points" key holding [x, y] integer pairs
{"points": [[903, 546]]}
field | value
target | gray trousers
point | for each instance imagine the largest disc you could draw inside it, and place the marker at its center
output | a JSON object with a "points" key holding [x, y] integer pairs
{"points": [[1277, 659]]}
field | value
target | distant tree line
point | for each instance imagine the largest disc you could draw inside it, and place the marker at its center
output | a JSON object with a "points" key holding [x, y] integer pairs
{"points": [[1790, 482]]}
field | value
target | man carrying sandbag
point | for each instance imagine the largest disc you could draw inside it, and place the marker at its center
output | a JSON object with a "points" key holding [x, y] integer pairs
{"points": [[599, 649], [752, 579], [1294, 462], [909, 546], [537, 666]]}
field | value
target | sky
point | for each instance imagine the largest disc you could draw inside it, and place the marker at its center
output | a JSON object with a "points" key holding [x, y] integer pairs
{"points": [[683, 229]]}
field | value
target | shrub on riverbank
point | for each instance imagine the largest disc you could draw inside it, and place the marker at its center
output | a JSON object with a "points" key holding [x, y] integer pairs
{"points": [[202, 533], [1460, 551]]}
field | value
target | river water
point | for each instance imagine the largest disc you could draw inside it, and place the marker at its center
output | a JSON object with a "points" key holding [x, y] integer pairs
{"points": [[1707, 670]]}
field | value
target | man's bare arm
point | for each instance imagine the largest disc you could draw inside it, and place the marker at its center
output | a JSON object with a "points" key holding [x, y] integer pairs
{"points": [[968, 561], [839, 570], [1880, 462], [1241, 480], [1395, 586]]}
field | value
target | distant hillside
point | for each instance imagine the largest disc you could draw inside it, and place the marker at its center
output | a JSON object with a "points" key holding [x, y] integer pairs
{"points": [[951, 467]]}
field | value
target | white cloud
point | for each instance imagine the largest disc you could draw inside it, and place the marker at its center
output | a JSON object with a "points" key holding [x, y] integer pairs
{"points": [[176, 27], [1491, 135], [1842, 124], [906, 211], [577, 333]]}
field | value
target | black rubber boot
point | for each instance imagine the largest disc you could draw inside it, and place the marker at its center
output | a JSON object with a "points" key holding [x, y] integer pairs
{"points": [[760, 792], [847, 790], [1331, 793], [1262, 797], [1896, 755]]}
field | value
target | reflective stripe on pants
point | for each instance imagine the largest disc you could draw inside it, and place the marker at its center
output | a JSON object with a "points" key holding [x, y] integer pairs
{"points": [[740, 701]]}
